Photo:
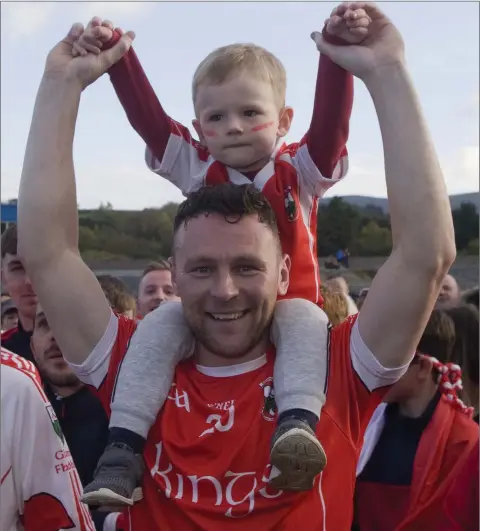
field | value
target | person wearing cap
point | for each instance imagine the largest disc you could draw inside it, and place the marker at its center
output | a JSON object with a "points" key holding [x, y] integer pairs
{"points": [[9, 315], [417, 440]]}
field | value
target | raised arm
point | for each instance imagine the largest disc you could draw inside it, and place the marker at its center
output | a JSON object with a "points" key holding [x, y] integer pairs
{"points": [[327, 135], [139, 101], [74, 303], [404, 290]]}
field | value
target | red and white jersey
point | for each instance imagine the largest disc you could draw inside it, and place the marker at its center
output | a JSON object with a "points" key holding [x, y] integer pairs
{"points": [[207, 454], [291, 182], [40, 488]]}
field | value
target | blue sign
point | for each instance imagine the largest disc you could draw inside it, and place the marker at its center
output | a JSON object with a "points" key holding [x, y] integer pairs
{"points": [[9, 213]]}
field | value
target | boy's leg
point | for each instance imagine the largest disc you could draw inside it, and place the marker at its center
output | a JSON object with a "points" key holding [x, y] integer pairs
{"points": [[300, 334], [161, 341]]}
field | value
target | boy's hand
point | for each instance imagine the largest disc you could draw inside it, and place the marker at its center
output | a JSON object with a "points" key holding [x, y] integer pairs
{"points": [[96, 34], [380, 46], [347, 24]]}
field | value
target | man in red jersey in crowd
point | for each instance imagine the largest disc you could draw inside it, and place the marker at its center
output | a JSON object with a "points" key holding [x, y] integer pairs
{"points": [[207, 462]]}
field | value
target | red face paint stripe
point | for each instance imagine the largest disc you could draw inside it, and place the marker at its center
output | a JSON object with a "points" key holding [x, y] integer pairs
{"points": [[262, 126], [209, 133]]}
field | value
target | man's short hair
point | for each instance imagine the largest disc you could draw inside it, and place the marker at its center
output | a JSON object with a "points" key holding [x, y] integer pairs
{"points": [[117, 293], [232, 201], [234, 59], [438, 339], [9, 240], [161, 265]]}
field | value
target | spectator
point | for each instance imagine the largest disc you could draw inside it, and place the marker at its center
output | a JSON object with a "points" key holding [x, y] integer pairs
{"points": [[118, 295], [449, 294], [17, 284], [9, 315], [207, 454], [416, 445], [466, 350], [40, 489], [471, 296], [80, 413], [155, 287], [335, 306], [82, 418], [340, 285]]}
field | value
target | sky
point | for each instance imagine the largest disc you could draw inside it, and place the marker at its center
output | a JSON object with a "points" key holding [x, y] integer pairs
{"points": [[442, 46]]}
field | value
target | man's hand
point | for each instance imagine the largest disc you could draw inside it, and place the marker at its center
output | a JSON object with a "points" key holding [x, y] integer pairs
{"points": [[84, 69], [378, 43]]}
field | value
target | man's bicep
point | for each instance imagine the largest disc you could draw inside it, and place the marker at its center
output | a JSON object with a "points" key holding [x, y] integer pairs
{"points": [[75, 306], [396, 310]]}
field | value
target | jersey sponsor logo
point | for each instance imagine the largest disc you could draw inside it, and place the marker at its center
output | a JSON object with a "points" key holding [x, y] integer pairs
{"points": [[180, 397], [55, 423], [237, 493], [269, 408], [290, 204]]}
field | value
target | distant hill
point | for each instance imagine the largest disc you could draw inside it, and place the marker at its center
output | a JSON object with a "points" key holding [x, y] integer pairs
{"points": [[382, 202]]}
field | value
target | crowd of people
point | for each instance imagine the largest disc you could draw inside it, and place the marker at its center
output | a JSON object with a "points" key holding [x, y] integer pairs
{"points": [[234, 389]]}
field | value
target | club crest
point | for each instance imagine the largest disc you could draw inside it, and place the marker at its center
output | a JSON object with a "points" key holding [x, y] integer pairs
{"points": [[290, 204], [269, 409]]}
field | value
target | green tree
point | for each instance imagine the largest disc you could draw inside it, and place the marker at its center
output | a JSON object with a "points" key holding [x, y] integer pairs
{"points": [[338, 224], [374, 240], [465, 220]]}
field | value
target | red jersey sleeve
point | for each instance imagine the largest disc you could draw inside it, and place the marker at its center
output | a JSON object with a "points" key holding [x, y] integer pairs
{"points": [[100, 369], [356, 382], [171, 150]]}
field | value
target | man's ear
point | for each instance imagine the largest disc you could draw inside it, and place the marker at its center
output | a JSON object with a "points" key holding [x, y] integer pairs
{"points": [[284, 121], [198, 129], [284, 275]]}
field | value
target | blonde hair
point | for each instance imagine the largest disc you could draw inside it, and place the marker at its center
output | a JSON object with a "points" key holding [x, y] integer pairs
{"points": [[335, 306], [226, 61]]}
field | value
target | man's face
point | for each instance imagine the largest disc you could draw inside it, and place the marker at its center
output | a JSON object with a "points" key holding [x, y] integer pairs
{"points": [[50, 361], [155, 288], [228, 276], [17, 284], [10, 320], [449, 294]]}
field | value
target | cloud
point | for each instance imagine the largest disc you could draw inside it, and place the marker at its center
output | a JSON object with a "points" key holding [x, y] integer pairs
{"points": [[23, 19], [120, 13]]}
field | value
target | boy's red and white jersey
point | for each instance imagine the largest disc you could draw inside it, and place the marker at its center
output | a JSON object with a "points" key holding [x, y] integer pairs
{"points": [[40, 488], [290, 180], [207, 455]]}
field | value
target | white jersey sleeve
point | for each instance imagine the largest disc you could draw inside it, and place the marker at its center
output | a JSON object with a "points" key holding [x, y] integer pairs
{"points": [[40, 487], [185, 161]]}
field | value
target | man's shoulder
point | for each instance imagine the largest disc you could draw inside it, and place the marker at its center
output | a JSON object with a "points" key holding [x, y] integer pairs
{"points": [[18, 375]]}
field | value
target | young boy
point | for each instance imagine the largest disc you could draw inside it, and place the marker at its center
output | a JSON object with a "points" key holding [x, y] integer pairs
{"points": [[239, 100]]}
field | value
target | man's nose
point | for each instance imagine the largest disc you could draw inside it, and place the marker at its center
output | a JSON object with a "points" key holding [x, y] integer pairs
{"points": [[224, 287]]}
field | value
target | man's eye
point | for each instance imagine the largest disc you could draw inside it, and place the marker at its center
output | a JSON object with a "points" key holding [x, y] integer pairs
{"points": [[202, 270], [245, 270]]}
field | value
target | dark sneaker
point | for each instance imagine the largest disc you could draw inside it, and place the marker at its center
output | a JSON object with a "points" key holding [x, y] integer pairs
{"points": [[297, 454], [117, 478]]}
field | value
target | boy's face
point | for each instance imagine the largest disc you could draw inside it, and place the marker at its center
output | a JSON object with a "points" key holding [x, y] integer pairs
{"points": [[240, 122]]}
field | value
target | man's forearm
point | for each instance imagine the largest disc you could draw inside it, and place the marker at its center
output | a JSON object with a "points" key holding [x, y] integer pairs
{"points": [[48, 221], [419, 207]]}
